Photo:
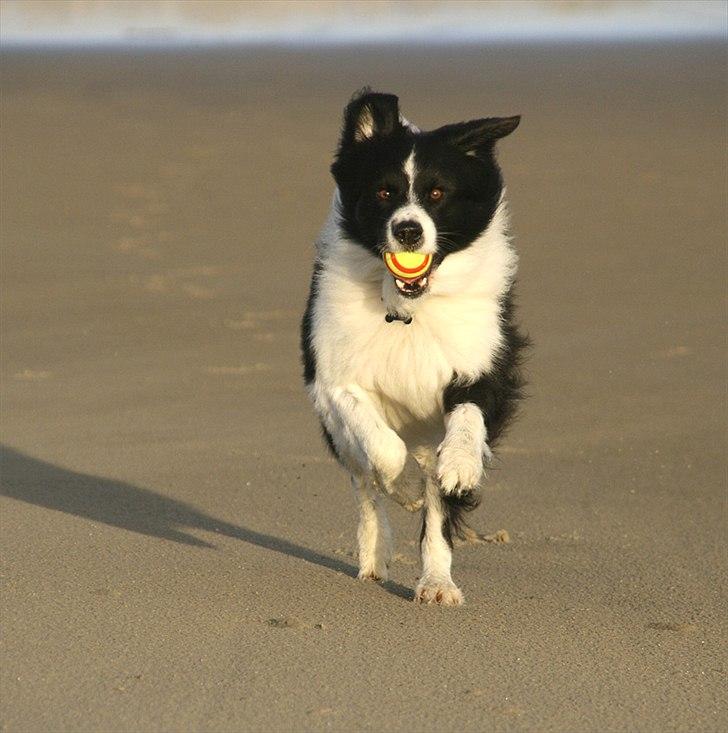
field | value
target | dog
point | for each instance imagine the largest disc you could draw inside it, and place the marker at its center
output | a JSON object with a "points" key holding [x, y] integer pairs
{"points": [[414, 379]]}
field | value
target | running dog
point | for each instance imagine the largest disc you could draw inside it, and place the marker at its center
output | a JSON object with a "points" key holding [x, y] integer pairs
{"points": [[414, 372]]}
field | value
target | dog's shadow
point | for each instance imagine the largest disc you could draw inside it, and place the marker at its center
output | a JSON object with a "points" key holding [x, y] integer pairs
{"points": [[139, 510]]}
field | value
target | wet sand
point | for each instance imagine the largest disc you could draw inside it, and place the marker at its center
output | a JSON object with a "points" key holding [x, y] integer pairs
{"points": [[177, 547]]}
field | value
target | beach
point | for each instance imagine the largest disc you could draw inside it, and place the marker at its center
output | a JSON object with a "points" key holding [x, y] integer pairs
{"points": [[178, 548]]}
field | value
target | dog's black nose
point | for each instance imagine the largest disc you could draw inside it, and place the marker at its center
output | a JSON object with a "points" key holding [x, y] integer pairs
{"points": [[408, 233]]}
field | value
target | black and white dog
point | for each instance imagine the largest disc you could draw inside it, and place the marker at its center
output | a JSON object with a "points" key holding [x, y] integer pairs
{"points": [[414, 381]]}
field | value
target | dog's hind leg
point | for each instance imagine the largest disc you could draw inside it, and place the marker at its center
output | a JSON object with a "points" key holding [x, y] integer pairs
{"points": [[436, 584], [374, 534], [408, 489]]}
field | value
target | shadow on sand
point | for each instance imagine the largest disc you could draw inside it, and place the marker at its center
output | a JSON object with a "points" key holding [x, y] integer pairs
{"points": [[140, 510]]}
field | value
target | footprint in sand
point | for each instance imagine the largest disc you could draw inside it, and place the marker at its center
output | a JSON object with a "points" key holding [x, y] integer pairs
{"points": [[291, 622], [138, 245], [237, 371], [138, 220], [184, 280], [680, 628], [32, 375], [260, 322], [675, 352]]}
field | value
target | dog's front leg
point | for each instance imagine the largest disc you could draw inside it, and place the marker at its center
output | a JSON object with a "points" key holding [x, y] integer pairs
{"points": [[374, 535], [382, 453], [436, 584], [464, 449], [459, 470]]}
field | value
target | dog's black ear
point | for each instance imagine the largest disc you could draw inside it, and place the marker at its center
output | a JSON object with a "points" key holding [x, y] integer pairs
{"points": [[479, 135], [370, 115]]}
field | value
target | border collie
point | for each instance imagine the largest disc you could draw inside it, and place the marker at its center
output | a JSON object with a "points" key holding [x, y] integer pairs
{"points": [[414, 381]]}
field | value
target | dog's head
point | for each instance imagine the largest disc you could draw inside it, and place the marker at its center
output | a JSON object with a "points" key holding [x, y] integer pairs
{"points": [[402, 189]]}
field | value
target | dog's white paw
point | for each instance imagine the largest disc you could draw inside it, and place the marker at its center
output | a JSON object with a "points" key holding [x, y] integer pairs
{"points": [[375, 551], [460, 467], [373, 571], [441, 592]]}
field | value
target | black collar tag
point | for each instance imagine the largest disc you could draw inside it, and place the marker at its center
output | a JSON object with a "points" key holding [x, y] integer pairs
{"points": [[396, 317]]}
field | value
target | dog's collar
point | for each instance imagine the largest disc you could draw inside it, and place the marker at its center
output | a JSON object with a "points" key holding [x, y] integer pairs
{"points": [[390, 317]]}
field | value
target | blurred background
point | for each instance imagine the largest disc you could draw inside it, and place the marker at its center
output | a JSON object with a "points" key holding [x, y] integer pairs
{"points": [[177, 546], [345, 21]]}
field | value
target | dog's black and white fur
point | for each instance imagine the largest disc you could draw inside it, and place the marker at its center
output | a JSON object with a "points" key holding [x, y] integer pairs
{"points": [[414, 382]]}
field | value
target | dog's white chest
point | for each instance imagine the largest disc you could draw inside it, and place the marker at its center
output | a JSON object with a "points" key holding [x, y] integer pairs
{"points": [[404, 367]]}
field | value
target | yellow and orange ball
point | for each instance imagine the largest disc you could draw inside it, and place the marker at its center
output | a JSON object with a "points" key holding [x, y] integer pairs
{"points": [[408, 266]]}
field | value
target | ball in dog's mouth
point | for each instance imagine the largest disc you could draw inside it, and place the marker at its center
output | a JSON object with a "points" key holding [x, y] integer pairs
{"points": [[411, 271]]}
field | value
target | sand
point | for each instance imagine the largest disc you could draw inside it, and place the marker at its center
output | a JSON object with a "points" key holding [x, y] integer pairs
{"points": [[178, 548]]}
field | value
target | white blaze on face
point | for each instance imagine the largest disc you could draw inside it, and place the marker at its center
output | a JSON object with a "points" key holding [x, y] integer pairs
{"points": [[412, 211], [411, 172]]}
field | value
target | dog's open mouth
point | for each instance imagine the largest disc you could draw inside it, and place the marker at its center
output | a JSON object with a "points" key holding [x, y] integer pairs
{"points": [[412, 288], [411, 272]]}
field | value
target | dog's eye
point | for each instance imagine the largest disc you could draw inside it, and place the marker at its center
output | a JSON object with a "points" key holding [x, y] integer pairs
{"points": [[383, 194], [436, 194]]}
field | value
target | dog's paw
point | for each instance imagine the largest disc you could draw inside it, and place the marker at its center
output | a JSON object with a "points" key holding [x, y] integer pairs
{"points": [[443, 593], [375, 573], [408, 489], [460, 468]]}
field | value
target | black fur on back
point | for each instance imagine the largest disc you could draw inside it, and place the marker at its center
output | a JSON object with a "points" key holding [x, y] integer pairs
{"points": [[307, 353], [497, 392]]}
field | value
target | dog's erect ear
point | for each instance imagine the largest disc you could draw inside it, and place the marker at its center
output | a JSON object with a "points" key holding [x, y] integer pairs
{"points": [[479, 135], [370, 115]]}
